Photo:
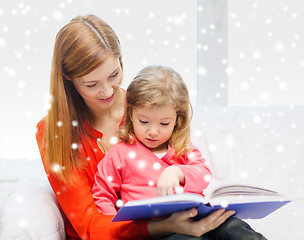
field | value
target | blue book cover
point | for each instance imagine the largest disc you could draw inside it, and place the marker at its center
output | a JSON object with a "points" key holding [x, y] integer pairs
{"points": [[248, 203]]}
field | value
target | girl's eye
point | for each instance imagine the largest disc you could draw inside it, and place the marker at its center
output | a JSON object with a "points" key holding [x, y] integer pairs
{"points": [[142, 121], [164, 124]]}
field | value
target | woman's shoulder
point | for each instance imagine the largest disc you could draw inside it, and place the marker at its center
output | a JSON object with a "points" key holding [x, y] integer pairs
{"points": [[41, 123], [40, 127]]}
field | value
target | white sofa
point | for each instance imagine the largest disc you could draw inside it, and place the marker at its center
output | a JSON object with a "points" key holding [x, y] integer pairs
{"points": [[260, 146]]}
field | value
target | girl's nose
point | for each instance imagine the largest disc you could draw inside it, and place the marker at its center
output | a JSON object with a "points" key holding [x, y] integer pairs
{"points": [[153, 131]]}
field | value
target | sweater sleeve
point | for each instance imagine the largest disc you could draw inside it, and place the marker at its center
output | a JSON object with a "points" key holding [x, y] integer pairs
{"points": [[107, 182], [83, 219], [197, 173]]}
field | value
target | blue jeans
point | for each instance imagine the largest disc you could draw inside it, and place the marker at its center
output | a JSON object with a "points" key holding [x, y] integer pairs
{"points": [[232, 229]]}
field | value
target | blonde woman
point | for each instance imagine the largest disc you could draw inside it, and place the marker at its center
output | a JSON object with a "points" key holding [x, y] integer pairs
{"points": [[86, 111]]}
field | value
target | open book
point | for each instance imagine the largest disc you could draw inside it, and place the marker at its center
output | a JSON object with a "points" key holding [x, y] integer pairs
{"points": [[247, 201]]}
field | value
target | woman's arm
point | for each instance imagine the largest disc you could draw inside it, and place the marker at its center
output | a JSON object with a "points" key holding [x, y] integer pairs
{"points": [[182, 223], [83, 219]]}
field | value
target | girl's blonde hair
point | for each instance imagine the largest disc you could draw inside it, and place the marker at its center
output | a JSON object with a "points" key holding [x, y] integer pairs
{"points": [[158, 86], [80, 47]]}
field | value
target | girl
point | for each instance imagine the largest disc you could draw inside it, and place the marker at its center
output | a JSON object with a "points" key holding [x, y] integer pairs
{"points": [[155, 156]]}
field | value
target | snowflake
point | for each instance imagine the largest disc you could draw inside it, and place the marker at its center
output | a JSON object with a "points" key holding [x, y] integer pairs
{"points": [[243, 174], [229, 141], [74, 123], [118, 203], [179, 190], [202, 71], [256, 54], [22, 223], [141, 164], [212, 147], [132, 154], [279, 47], [282, 85], [229, 70], [113, 140], [56, 167], [256, 119], [2, 43], [19, 199], [280, 148], [57, 15], [207, 178], [156, 166], [74, 146], [224, 203]]}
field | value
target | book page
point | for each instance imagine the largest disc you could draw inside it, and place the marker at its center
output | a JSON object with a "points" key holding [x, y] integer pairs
{"points": [[237, 190], [185, 197]]}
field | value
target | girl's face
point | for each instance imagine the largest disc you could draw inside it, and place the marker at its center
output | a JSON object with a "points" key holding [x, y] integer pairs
{"points": [[153, 126], [98, 88]]}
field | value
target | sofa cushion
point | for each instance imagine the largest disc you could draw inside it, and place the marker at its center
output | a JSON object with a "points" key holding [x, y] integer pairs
{"points": [[31, 212]]}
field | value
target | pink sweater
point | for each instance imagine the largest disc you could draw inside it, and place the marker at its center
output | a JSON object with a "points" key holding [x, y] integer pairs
{"points": [[130, 172]]}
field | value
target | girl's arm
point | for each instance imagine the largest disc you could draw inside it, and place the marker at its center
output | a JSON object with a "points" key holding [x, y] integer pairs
{"points": [[189, 170], [197, 174], [108, 181]]}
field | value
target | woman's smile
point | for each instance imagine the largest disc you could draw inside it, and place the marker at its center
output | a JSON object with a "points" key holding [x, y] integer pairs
{"points": [[106, 100]]}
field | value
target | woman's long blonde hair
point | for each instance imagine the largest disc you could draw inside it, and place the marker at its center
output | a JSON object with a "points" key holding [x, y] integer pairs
{"points": [[80, 47], [158, 86]]}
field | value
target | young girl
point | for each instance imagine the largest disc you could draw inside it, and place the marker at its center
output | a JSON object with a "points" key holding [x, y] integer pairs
{"points": [[155, 156]]}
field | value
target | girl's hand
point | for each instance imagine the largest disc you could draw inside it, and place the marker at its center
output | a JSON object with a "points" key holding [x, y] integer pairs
{"points": [[181, 223], [169, 180]]}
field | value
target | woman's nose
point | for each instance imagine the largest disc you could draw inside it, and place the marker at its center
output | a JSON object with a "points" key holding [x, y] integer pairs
{"points": [[105, 90]]}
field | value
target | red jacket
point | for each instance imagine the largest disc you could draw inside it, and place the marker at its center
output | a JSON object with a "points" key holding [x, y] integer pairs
{"points": [[83, 220]]}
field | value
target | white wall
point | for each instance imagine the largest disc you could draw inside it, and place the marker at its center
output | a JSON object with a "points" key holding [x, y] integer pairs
{"points": [[251, 53], [160, 33], [266, 52]]}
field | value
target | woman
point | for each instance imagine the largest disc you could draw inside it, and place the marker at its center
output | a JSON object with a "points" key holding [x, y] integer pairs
{"points": [[86, 111]]}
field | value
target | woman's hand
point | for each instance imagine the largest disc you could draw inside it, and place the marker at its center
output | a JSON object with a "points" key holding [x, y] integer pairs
{"points": [[169, 180], [181, 223]]}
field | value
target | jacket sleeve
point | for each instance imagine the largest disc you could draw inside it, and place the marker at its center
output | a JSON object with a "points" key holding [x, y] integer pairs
{"points": [[83, 219], [197, 173], [108, 181]]}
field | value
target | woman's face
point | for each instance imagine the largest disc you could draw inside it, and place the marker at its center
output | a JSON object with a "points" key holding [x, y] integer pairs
{"points": [[98, 88]]}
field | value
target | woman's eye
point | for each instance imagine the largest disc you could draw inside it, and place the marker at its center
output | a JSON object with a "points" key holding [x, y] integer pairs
{"points": [[114, 75], [92, 85]]}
